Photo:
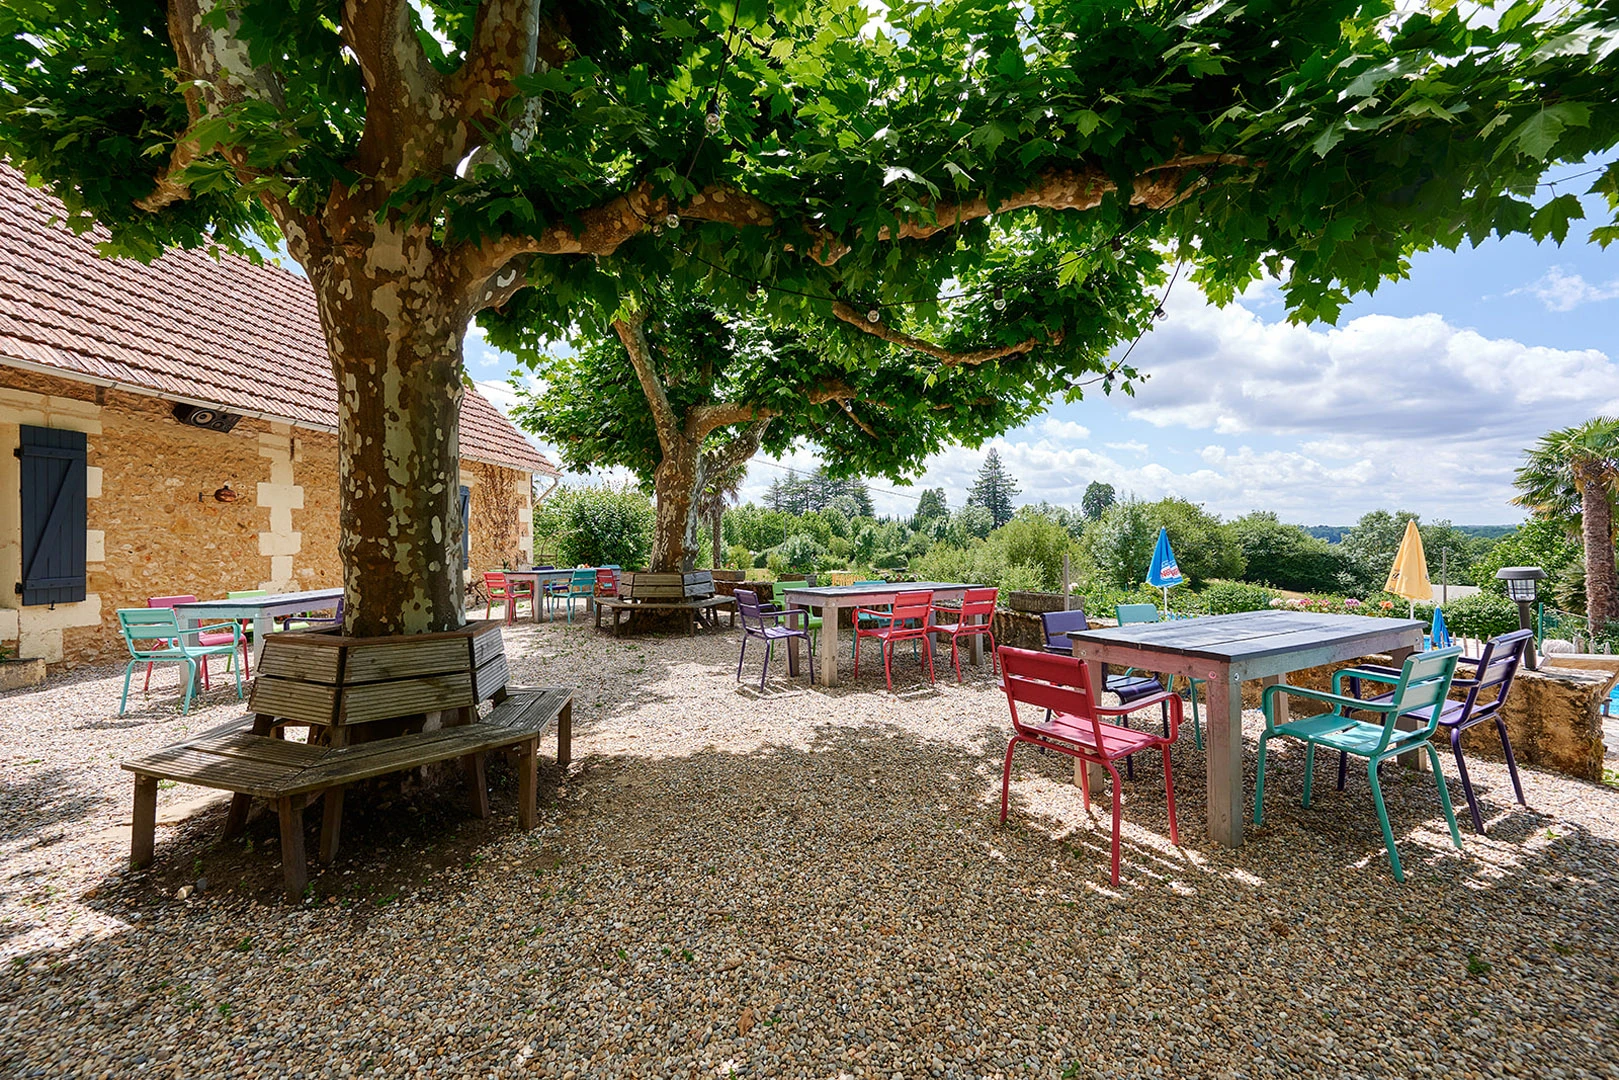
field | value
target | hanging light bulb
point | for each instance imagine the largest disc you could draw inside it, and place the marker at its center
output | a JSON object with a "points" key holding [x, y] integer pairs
{"points": [[1000, 298], [1160, 314], [753, 290], [874, 316], [673, 220], [712, 121], [657, 230], [1116, 244]]}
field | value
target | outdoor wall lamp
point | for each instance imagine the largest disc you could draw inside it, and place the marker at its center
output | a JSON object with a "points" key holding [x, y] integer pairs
{"points": [[1521, 583]]}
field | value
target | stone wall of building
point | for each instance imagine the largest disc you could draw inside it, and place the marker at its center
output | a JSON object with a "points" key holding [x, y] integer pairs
{"points": [[156, 527]]}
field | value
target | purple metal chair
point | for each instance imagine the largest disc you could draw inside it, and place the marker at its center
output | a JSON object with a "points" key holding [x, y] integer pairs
{"points": [[1486, 694], [759, 623]]}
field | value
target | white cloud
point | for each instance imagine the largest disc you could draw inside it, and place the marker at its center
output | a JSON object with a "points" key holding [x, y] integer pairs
{"points": [[1064, 429], [1561, 291], [1131, 447]]}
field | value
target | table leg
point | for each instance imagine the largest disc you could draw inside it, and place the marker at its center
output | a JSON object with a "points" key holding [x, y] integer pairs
{"points": [[1224, 742], [1094, 775], [143, 824], [975, 645], [792, 649], [1415, 760], [262, 625], [829, 645], [1280, 707]]}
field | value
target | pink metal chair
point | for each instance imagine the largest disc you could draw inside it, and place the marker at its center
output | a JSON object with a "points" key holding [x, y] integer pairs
{"points": [[202, 639], [907, 620], [975, 603], [508, 593], [1074, 726], [606, 581]]}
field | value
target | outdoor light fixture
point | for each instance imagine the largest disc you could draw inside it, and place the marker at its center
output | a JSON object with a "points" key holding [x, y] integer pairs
{"points": [[1521, 588]]}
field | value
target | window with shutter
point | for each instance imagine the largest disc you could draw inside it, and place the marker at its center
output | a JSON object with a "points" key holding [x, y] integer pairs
{"points": [[53, 515], [466, 527]]}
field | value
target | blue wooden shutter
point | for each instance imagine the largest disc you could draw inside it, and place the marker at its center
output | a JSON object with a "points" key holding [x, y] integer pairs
{"points": [[53, 515], [466, 523]]}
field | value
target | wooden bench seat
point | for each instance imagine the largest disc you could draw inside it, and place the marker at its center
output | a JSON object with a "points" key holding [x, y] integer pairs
{"points": [[695, 606], [247, 756]]}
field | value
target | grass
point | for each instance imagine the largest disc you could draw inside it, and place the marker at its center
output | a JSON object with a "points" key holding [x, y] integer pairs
{"points": [[1477, 966]]}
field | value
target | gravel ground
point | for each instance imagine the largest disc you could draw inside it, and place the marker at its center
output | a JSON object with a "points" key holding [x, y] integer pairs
{"points": [[793, 883]]}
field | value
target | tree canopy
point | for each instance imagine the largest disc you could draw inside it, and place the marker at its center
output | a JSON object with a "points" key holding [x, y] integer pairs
{"points": [[991, 190]]}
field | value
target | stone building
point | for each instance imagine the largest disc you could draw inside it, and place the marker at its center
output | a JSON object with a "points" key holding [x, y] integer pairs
{"points": [[170, 429]]}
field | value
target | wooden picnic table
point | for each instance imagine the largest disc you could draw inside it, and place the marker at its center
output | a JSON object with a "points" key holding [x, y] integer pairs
{"points": [[263, 610], [831, 599], [541, 580], [1224, 651]]}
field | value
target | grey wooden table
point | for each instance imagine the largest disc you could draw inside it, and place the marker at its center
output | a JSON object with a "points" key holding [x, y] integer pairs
{"points": [[831, 599], [1224, 651], [261, 609], [541, 580]]}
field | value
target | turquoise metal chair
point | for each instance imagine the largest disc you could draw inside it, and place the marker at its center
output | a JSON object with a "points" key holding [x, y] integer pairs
{"points": [[1148, 613], [160, 629], [582, 584], [1420, 687]]}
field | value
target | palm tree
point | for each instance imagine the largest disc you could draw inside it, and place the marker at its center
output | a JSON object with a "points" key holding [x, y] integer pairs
{"points": [[1575, 471]]}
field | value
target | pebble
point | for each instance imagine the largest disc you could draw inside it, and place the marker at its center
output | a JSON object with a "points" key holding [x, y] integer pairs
{"points": [[804, 883]]}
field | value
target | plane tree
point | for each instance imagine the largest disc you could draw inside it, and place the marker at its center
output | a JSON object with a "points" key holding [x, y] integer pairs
{"points": [[428, 162]]}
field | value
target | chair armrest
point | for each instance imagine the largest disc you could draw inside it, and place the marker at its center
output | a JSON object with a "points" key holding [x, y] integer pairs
{"points": [[1148, 702], [1341, 700], [234, 628], [1388, 676], [874, 613]]}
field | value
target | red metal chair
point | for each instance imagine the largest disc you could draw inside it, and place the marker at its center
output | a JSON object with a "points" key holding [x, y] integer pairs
{"points": [[507, 592], [606, 581], [909, 608], [1075, 727], [202, 639], [974, 603]]}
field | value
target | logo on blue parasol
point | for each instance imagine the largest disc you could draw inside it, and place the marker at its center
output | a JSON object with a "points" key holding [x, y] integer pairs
{"points": [[1164, 573]]}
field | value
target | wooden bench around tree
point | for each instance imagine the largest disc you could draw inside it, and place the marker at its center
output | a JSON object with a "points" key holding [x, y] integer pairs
{"points": [[693, 592], [249, 758]]}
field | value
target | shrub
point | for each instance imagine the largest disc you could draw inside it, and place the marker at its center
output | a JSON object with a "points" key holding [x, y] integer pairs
{"points": [[1289, 558], [1230, 597], [738, 557], [1483, 615], [594, 526], [1120, 544]]}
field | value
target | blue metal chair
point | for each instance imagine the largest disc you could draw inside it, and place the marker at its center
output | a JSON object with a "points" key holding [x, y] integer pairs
{"points": [[1148, 613], [1420, 691], [160, 629]]}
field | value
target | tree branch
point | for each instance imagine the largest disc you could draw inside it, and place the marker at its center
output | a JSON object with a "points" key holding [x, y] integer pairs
{"points": [[742, 447], [406, 130], [509, 38], [859, 423], [214, 72], [859, 321], [632, 333]]}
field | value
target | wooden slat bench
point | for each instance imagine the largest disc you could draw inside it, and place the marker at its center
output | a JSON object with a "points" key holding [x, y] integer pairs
{"points": [[247, 757], [693, 592]]}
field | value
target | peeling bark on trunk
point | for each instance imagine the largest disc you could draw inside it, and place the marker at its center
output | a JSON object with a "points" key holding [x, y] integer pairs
{"points": [[1601, 581], [395, 343], [677, 482], [716, 524]]}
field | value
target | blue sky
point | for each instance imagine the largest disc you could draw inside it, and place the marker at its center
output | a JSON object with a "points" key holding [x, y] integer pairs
{"points": [[1422, 397]]}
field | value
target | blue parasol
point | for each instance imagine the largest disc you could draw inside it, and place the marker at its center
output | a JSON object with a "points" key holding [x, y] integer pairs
{"points": [[1164, 573], [1439, 633]]}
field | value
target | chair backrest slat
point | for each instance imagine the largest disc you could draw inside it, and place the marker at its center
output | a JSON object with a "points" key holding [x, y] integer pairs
{"points": [[1128, 614], [1047, 681], [1424, 683], [159, 624], [169, 601], [494, 579], [1059, 624], [747, 606], [912, 605], [975, 602], [1497, 666]]}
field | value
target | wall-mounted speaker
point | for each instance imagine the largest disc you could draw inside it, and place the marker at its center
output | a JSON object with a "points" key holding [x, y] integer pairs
{"points": [[205, 416]]}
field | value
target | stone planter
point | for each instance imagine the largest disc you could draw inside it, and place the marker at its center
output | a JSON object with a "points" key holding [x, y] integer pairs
{"points": [[21, 674], [1035, 602]]}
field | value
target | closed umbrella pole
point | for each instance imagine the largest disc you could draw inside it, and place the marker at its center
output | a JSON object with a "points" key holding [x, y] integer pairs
{"points": [[1164, 572]]}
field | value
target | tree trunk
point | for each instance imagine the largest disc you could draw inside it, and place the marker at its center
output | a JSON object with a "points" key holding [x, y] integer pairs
{"points": [[1596, 523], [394, 338], [717, 525], [676, 485]]}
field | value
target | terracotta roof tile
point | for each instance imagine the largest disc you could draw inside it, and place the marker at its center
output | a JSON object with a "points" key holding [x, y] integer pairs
{"points": [[224, 331]]}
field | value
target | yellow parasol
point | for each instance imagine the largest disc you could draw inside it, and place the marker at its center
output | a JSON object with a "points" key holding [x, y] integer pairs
{"points": [[1409, 575]]}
